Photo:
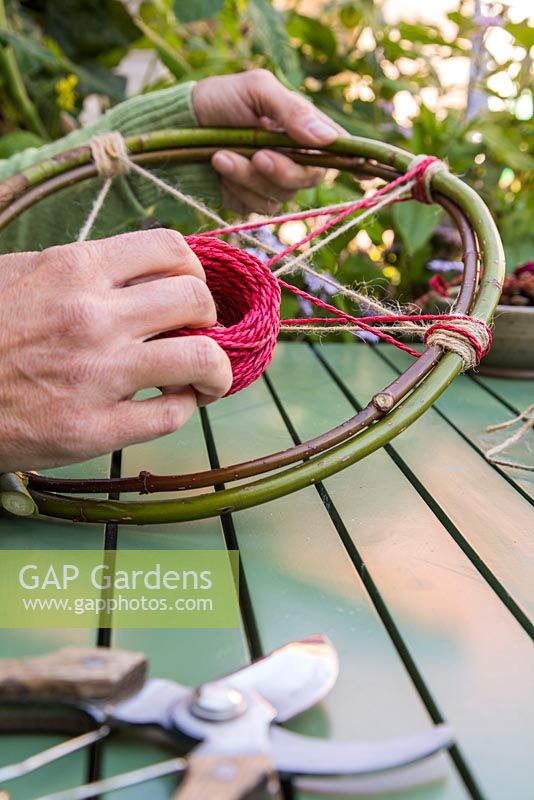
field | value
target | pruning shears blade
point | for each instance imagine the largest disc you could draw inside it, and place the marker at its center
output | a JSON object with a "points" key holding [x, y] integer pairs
{"points": [[411, 777], [295, 754], [292, 678]]}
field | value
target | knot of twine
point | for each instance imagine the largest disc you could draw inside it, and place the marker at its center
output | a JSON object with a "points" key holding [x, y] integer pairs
{"points": [[110, 154], [247, 296], [469, 338], [427, 167]]}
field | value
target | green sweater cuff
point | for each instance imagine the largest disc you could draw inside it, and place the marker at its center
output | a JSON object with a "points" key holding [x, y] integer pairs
{"points": [[167, 108]]}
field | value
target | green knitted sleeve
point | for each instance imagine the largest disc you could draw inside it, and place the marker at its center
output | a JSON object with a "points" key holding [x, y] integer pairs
{"points": [[57, 219]]}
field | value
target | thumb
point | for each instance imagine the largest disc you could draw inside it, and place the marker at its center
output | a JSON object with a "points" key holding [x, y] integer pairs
{"points": [[290, 111]]}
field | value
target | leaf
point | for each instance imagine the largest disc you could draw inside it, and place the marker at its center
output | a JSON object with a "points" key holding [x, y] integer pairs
{"points": [[312, 32], [92, 79], [424, 34], [415, 224], [522, 32], [169, 56], [16, 141], [193, 10], [84, 29], [271, 39], [503, 145]]}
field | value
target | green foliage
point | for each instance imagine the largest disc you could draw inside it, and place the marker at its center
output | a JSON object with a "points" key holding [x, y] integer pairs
{"points": [[90, 28], [414, 224], [352, 63], [271, 39], [187, 11], [16, 141]]}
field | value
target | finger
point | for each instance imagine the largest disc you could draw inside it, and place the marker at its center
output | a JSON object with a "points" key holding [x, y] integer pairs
{"points": [[137, 255], [242, 172], [134, 421], [195, 361], [201, 399], [284, 172], [242, 200], [147, 309], [290, 110], [272, 125]]}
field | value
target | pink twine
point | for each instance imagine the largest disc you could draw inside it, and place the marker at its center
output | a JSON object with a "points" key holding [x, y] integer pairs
{"points": [[248, 295]]}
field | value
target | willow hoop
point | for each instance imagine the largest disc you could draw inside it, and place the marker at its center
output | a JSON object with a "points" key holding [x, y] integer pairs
{"points": [[408, 396]]}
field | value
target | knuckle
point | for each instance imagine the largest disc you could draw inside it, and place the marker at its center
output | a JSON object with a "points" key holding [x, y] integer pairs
{"points": [[314, 176], [81, 372], [78, 314], [207, 356], [261, 77], [300, 107], [69, 262], [173, 416], [171, 242], [199, 300], [271, 206]]}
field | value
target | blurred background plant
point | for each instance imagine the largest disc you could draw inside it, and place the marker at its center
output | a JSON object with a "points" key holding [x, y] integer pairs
{"points": [[454, 81]]}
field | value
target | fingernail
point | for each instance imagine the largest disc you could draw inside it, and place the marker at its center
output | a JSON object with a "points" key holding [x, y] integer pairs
{"points": [[223, 163], [322, 131], [264, 162]]}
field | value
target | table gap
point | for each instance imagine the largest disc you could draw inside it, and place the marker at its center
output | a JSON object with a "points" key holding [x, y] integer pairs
{"points": [[228, 528], [95, 755]]}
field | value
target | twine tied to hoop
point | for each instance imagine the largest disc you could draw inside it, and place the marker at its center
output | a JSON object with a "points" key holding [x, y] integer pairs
{"points": [[469, 338], [422, 190], [110, 154], [111, 158]]}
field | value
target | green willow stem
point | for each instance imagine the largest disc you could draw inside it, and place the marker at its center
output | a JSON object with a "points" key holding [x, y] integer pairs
{"points": [[378, 434], [15, 84]]}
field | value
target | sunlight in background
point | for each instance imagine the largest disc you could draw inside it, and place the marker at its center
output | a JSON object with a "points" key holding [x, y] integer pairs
{"points": [[453, 71]]}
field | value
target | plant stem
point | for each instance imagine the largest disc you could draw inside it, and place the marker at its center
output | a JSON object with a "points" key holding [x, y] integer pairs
{"points": [[15, 497], [15, 85]]}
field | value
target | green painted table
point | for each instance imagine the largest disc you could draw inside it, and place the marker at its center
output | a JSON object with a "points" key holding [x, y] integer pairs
{"points": [[417, 562]]}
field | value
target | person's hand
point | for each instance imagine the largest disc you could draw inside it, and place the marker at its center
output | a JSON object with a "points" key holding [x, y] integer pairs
{"points": [[257, 99], [76, 328]]}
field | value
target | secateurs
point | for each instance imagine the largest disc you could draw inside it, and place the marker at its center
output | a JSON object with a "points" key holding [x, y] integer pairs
{"points": [[228, 729]]}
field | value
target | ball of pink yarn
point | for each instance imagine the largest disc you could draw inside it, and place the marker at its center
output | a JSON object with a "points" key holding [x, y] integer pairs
{"points": [[247, 296]]}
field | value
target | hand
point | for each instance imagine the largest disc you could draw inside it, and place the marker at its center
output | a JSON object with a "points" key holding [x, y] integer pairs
{"points": [[76, 341], [256, 99]]}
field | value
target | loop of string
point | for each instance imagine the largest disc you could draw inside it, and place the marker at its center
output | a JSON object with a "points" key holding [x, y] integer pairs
{"points": [[527, 417], [468, 337]]}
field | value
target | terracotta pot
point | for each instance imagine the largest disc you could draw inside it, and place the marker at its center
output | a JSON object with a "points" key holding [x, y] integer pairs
{"points": [[512, 351]]}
